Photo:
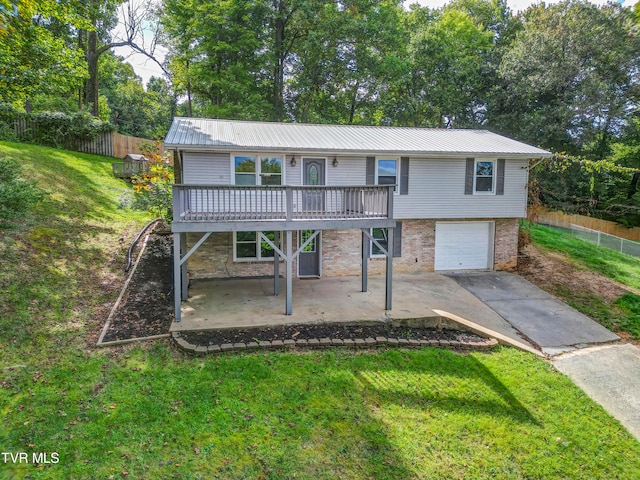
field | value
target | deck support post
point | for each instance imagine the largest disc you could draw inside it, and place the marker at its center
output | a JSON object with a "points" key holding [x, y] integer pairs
{"points": [[276, 265], [183, 273], [177, 281], [389, 269], [289, 271], [365, 261]]}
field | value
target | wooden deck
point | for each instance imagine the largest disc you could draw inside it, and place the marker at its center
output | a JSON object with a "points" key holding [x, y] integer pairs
{"points": [[277, 204]]}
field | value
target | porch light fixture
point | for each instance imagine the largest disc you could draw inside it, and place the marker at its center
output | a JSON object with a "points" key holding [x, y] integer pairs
{"points": [[293, 161], [335, 161]]}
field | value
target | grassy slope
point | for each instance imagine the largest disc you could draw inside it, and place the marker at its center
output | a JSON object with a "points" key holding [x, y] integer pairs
{"points": [[623, 316], [147, 412]]}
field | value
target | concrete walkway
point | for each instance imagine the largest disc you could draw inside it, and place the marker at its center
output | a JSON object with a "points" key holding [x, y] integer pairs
{"points": [[610, 375], [546, 321]]}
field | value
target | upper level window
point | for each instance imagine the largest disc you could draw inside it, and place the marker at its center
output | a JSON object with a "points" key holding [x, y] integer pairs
{"points": [[250, 170], [484, 177], [387, 172]]}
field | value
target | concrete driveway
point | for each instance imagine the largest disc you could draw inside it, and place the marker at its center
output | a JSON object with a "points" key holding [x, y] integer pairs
{"points": [[543, 319]]}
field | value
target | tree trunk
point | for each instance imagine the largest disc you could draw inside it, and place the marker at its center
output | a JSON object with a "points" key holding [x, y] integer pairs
{"points": [[91, 95], [278, 74]]}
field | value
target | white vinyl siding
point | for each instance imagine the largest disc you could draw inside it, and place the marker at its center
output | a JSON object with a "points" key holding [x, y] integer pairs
{"points": [[350, 171], [436, 185], [293, 175], [437, 191], [206, 168]]}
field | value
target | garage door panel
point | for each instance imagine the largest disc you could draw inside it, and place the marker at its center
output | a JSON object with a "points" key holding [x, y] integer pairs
{"points": [[463, 246]]}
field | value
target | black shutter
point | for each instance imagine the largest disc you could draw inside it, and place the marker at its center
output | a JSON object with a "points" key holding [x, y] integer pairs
{"points": [[404, 176], [371, 170], [468, 181], [397, 240], [500, 177]]}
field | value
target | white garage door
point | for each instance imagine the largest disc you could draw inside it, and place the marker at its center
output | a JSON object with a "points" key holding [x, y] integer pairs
{"points": [[464, 246]]}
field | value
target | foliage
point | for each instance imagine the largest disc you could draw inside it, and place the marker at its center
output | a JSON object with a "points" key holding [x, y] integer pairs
{"points": [[17, 195], [442, 86], [574, 185], [568, 77], [134, 111], [34, 59], [152, 190]]}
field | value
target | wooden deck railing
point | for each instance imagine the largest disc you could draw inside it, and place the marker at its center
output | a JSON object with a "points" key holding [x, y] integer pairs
{"points": [[225, 203]]}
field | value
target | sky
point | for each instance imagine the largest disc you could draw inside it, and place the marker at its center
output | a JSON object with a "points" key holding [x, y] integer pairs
{"points": [[146, 68]]}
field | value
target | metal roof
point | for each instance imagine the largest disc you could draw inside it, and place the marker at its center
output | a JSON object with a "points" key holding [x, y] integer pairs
{"points": [[232, 135]]}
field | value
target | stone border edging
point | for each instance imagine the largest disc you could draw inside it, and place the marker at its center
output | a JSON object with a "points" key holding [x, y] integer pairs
{"points": [[326, 342]]}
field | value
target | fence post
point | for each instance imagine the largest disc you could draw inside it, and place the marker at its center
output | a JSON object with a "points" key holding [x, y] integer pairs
{"points": [[598, 238]]}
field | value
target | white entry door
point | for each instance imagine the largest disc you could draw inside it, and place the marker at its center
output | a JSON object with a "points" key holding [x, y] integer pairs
{"points": [[464, 246]]}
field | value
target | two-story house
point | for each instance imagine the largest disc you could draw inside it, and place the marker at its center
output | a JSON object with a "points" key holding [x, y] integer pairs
{"points": [[327, 200]]}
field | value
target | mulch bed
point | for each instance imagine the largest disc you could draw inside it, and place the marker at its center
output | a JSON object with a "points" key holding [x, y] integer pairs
{"points": [[219, 337], [147, 306]]}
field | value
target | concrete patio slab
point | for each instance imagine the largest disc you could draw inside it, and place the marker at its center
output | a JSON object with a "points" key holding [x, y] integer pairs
{"points": [[610, 375], [245, 303], [542, 318]]}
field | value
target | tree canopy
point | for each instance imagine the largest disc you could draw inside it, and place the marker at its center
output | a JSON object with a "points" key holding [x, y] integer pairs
{"points": [[563, 76]]}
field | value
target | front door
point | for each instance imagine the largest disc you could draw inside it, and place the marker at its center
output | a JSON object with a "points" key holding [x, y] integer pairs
{"points": [[313, 175], [309, 257]]}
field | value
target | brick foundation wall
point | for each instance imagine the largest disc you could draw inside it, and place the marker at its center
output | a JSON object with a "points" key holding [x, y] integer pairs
{"points": [[341, 254], [505, 255]]}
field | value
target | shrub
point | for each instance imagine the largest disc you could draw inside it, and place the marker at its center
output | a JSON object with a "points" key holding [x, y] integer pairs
{"points": [[53, 129], [17, 195], [152, 190]]}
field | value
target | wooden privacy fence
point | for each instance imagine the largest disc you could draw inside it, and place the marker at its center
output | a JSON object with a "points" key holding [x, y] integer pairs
{"points": [[605, 226], [108, 144], [112, 144]]}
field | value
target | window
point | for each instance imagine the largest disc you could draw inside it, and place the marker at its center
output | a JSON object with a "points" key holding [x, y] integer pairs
{"points": [[247, 246], [304, 236], [380, 234], [382, 237], [271, 171], [249, 171], [387, 172], [245, 168], [484, 177]]}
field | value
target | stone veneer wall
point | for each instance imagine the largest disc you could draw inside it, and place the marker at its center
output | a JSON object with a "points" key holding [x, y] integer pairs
{"points": [[341, 254]]}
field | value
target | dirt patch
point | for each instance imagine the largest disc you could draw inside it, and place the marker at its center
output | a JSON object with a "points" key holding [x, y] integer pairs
{"points": [[146, 308], [550, 270]]}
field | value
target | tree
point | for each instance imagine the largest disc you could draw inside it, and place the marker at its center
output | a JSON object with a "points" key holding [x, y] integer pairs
{"points": [[568, 78], [442, 85], [97, 40], [216, 56], [342, 67], [33, 59]]}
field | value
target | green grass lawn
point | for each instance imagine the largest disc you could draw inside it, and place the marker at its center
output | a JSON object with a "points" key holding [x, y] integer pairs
{"points": [[148, 412], [621, 316]]}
